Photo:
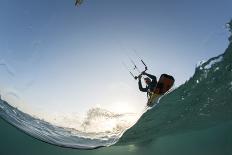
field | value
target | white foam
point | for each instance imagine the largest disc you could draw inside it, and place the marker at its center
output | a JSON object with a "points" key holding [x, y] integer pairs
{"points": [[200, 63], [213, 62], [217, 68]]}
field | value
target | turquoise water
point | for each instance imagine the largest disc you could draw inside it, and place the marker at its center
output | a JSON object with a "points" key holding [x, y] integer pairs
{"points": [[195, 118]]}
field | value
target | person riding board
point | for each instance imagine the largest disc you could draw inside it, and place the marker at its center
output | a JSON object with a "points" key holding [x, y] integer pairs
{"points": [[153, 88], [150, 81]]}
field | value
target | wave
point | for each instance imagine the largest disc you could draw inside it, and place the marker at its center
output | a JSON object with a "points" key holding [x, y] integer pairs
{"points": [[100, 127], [201, 102]]}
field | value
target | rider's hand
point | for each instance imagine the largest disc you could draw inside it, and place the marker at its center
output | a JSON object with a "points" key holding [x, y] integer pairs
{"points": [[144, 72]]}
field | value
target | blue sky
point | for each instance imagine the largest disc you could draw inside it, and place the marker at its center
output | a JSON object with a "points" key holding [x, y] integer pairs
{"points": [[60, 58]]}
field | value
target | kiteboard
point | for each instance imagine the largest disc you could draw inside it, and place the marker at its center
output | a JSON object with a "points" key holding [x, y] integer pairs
{"points": [[164, 84]]}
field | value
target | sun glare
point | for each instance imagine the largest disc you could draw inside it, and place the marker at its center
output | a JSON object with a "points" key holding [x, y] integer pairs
{"points": [[121, 107]]}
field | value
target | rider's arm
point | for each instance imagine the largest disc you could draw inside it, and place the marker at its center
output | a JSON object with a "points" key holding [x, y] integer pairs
{"points": [[141, 87], [150, 76]]}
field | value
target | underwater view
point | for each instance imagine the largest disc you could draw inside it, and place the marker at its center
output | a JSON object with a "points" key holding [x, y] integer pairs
{"points": [[107, 77]]}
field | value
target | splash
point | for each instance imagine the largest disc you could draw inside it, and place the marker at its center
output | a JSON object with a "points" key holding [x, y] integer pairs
{"points": [[100, 127]]}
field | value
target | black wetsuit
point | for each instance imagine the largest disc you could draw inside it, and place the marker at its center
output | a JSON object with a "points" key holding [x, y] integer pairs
{"points": [[150, 87]]}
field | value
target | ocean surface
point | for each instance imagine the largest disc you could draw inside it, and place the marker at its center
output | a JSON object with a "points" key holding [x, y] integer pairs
{"points": [[195, 118]]}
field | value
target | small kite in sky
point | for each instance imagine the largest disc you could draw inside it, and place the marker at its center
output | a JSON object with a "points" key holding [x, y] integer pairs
{"points": [[78, 2]]}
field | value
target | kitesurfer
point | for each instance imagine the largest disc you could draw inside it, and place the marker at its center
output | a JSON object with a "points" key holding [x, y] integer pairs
{"points": [[153, 88], [150, 81]]}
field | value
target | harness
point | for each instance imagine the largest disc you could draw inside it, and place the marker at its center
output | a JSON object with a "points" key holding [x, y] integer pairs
{"points": [[150, 89]]}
